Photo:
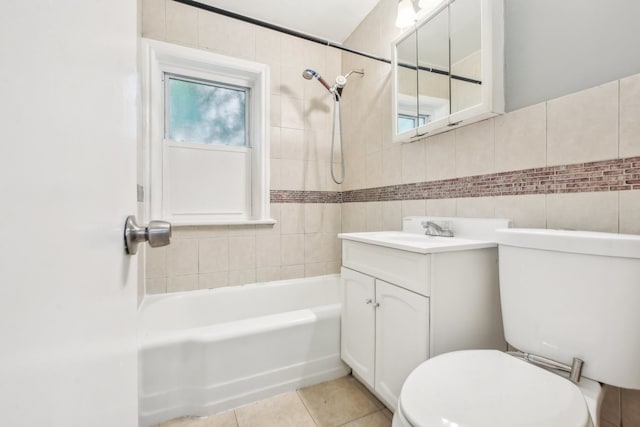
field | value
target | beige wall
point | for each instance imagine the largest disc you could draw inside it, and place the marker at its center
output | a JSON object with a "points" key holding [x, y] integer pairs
{"points": [[596, 124], [304, 241]]}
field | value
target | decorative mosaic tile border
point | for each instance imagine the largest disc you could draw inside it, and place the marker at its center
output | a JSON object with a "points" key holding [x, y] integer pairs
{"points": [[606, 175], [288, 196]]}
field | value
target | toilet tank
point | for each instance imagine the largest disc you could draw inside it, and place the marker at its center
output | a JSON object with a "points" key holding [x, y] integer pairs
{"points": [[567, 294]]}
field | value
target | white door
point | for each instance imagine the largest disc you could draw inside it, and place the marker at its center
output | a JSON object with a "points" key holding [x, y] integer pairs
{"points": [[358, 323], [67, 182], [402, 337]]}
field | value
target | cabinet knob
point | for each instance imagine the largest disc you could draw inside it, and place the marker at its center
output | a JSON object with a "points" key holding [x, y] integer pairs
{"points": [[368, 301], [376, 305]]}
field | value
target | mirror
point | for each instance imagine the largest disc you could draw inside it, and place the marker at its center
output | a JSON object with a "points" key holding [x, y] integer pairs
{"points": [[406, 78], [448, 69], [433, 69], [466, 54]]}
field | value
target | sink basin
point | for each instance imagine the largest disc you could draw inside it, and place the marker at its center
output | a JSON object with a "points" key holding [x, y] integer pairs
{"points": [[414, 242]]}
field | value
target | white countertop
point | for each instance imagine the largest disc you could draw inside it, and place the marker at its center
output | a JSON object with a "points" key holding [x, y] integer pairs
{"points": [[418, 243]]}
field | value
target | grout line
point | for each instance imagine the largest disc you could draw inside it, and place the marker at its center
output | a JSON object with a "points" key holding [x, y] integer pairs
{"points": [[364, 416], [235, 415], [305, 406]]}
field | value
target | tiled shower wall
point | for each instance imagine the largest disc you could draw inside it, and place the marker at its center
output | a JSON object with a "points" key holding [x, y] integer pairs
{"points": [[303, 242], [561, 135]]}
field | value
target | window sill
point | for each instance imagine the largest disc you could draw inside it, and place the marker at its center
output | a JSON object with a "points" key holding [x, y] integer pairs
{"points": [[266, 221]]}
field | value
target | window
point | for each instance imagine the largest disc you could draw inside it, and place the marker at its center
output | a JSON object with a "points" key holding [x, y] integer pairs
{"points": [[204, 112], [207, 136], [407, 122]]}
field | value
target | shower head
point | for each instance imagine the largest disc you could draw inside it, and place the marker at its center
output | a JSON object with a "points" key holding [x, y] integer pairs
{"points": [[310, 74]]}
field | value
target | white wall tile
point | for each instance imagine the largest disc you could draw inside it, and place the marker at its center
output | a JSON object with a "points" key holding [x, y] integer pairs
{"points": [[583, 127], [475, 207], [292, 271], [374, 216], [413, 162], [630, 116], [630, 212], [292, 218], [182, 283], [392, 216], [221, 35], [440, 156], [242, 277], [292, 249], [392, 165], [354, 217], [268, 251], [213, 255], [332, 223], [526, 211], [182, 23], [153, 19], [292, 144], [155, 286], [268, 47], [182, 257], [521, 139], [268, 274], [242, 252], [213, 280], [475, 149], [583, 211], [374, 169], [313, 217], [441, 207], [156, 262], [315, 269], [292, 112], [292, 174], [414, 208]]}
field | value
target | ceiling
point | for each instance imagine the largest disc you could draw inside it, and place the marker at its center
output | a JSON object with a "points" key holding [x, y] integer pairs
{"points": [[332, 20]]}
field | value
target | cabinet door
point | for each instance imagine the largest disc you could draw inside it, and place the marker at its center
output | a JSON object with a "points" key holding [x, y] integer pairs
{"points": [[402, 337], [358, 324]]}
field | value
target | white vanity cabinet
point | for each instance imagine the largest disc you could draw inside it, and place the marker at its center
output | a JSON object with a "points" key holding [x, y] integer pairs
{"points": [[385, 332], [402, 306]]}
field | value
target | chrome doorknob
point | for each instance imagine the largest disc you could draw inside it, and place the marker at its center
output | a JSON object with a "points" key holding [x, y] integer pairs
{"points": [[157, 233]]}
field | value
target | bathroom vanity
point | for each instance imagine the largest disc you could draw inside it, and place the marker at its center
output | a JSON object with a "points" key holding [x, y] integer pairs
{"points": [[409, 297]]}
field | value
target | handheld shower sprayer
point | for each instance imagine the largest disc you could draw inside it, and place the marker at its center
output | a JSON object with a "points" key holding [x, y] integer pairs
{"points": [[310, 74], [341, 81], [336, 91]]}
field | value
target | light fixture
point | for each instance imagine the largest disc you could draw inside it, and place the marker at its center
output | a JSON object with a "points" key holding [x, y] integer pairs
{"points": [[429, 5], [406, 14]]}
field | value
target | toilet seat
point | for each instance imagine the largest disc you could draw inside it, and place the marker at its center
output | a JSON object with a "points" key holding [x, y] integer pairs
{"points": [[488, 388]]}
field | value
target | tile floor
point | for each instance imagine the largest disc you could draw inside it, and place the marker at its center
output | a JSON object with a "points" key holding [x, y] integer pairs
{"points": [[342, 402]]}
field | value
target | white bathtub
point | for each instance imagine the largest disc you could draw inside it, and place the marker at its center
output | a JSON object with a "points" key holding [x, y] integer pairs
{"points": [[203, 352]]}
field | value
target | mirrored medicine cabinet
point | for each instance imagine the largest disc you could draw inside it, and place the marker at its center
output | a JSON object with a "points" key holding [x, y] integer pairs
{"points": [[448, 69]]}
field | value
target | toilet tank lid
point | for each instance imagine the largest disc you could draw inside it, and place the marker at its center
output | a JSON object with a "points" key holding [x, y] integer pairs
{"points": [[580, 242]]}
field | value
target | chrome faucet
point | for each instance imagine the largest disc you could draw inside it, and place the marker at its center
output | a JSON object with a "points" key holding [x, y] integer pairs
{"points": [[433, 229]]}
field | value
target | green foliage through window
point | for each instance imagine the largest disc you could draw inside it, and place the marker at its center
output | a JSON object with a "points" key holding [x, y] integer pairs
{"points": [[206, 113]]}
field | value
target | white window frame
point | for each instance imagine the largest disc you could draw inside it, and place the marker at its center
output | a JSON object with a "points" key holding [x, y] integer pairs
{"points": [[159, 58]]}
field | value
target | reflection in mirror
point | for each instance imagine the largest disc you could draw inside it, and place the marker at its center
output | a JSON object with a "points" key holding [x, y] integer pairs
{"points": [[407, 94], [433, 66], [466, 64]]}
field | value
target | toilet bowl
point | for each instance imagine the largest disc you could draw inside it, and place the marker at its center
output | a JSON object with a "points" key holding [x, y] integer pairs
{"points": [[564, 294], [489, 388]]}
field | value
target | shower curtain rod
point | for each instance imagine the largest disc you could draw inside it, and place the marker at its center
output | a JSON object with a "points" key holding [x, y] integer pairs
{"points": [[279, 29], [311, 38]]}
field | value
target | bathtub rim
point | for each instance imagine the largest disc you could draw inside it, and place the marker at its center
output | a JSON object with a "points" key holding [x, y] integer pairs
{"points": [[152, 299]]}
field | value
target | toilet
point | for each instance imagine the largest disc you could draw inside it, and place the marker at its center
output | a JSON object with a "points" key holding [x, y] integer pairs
{"points": [[565, 295]]}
